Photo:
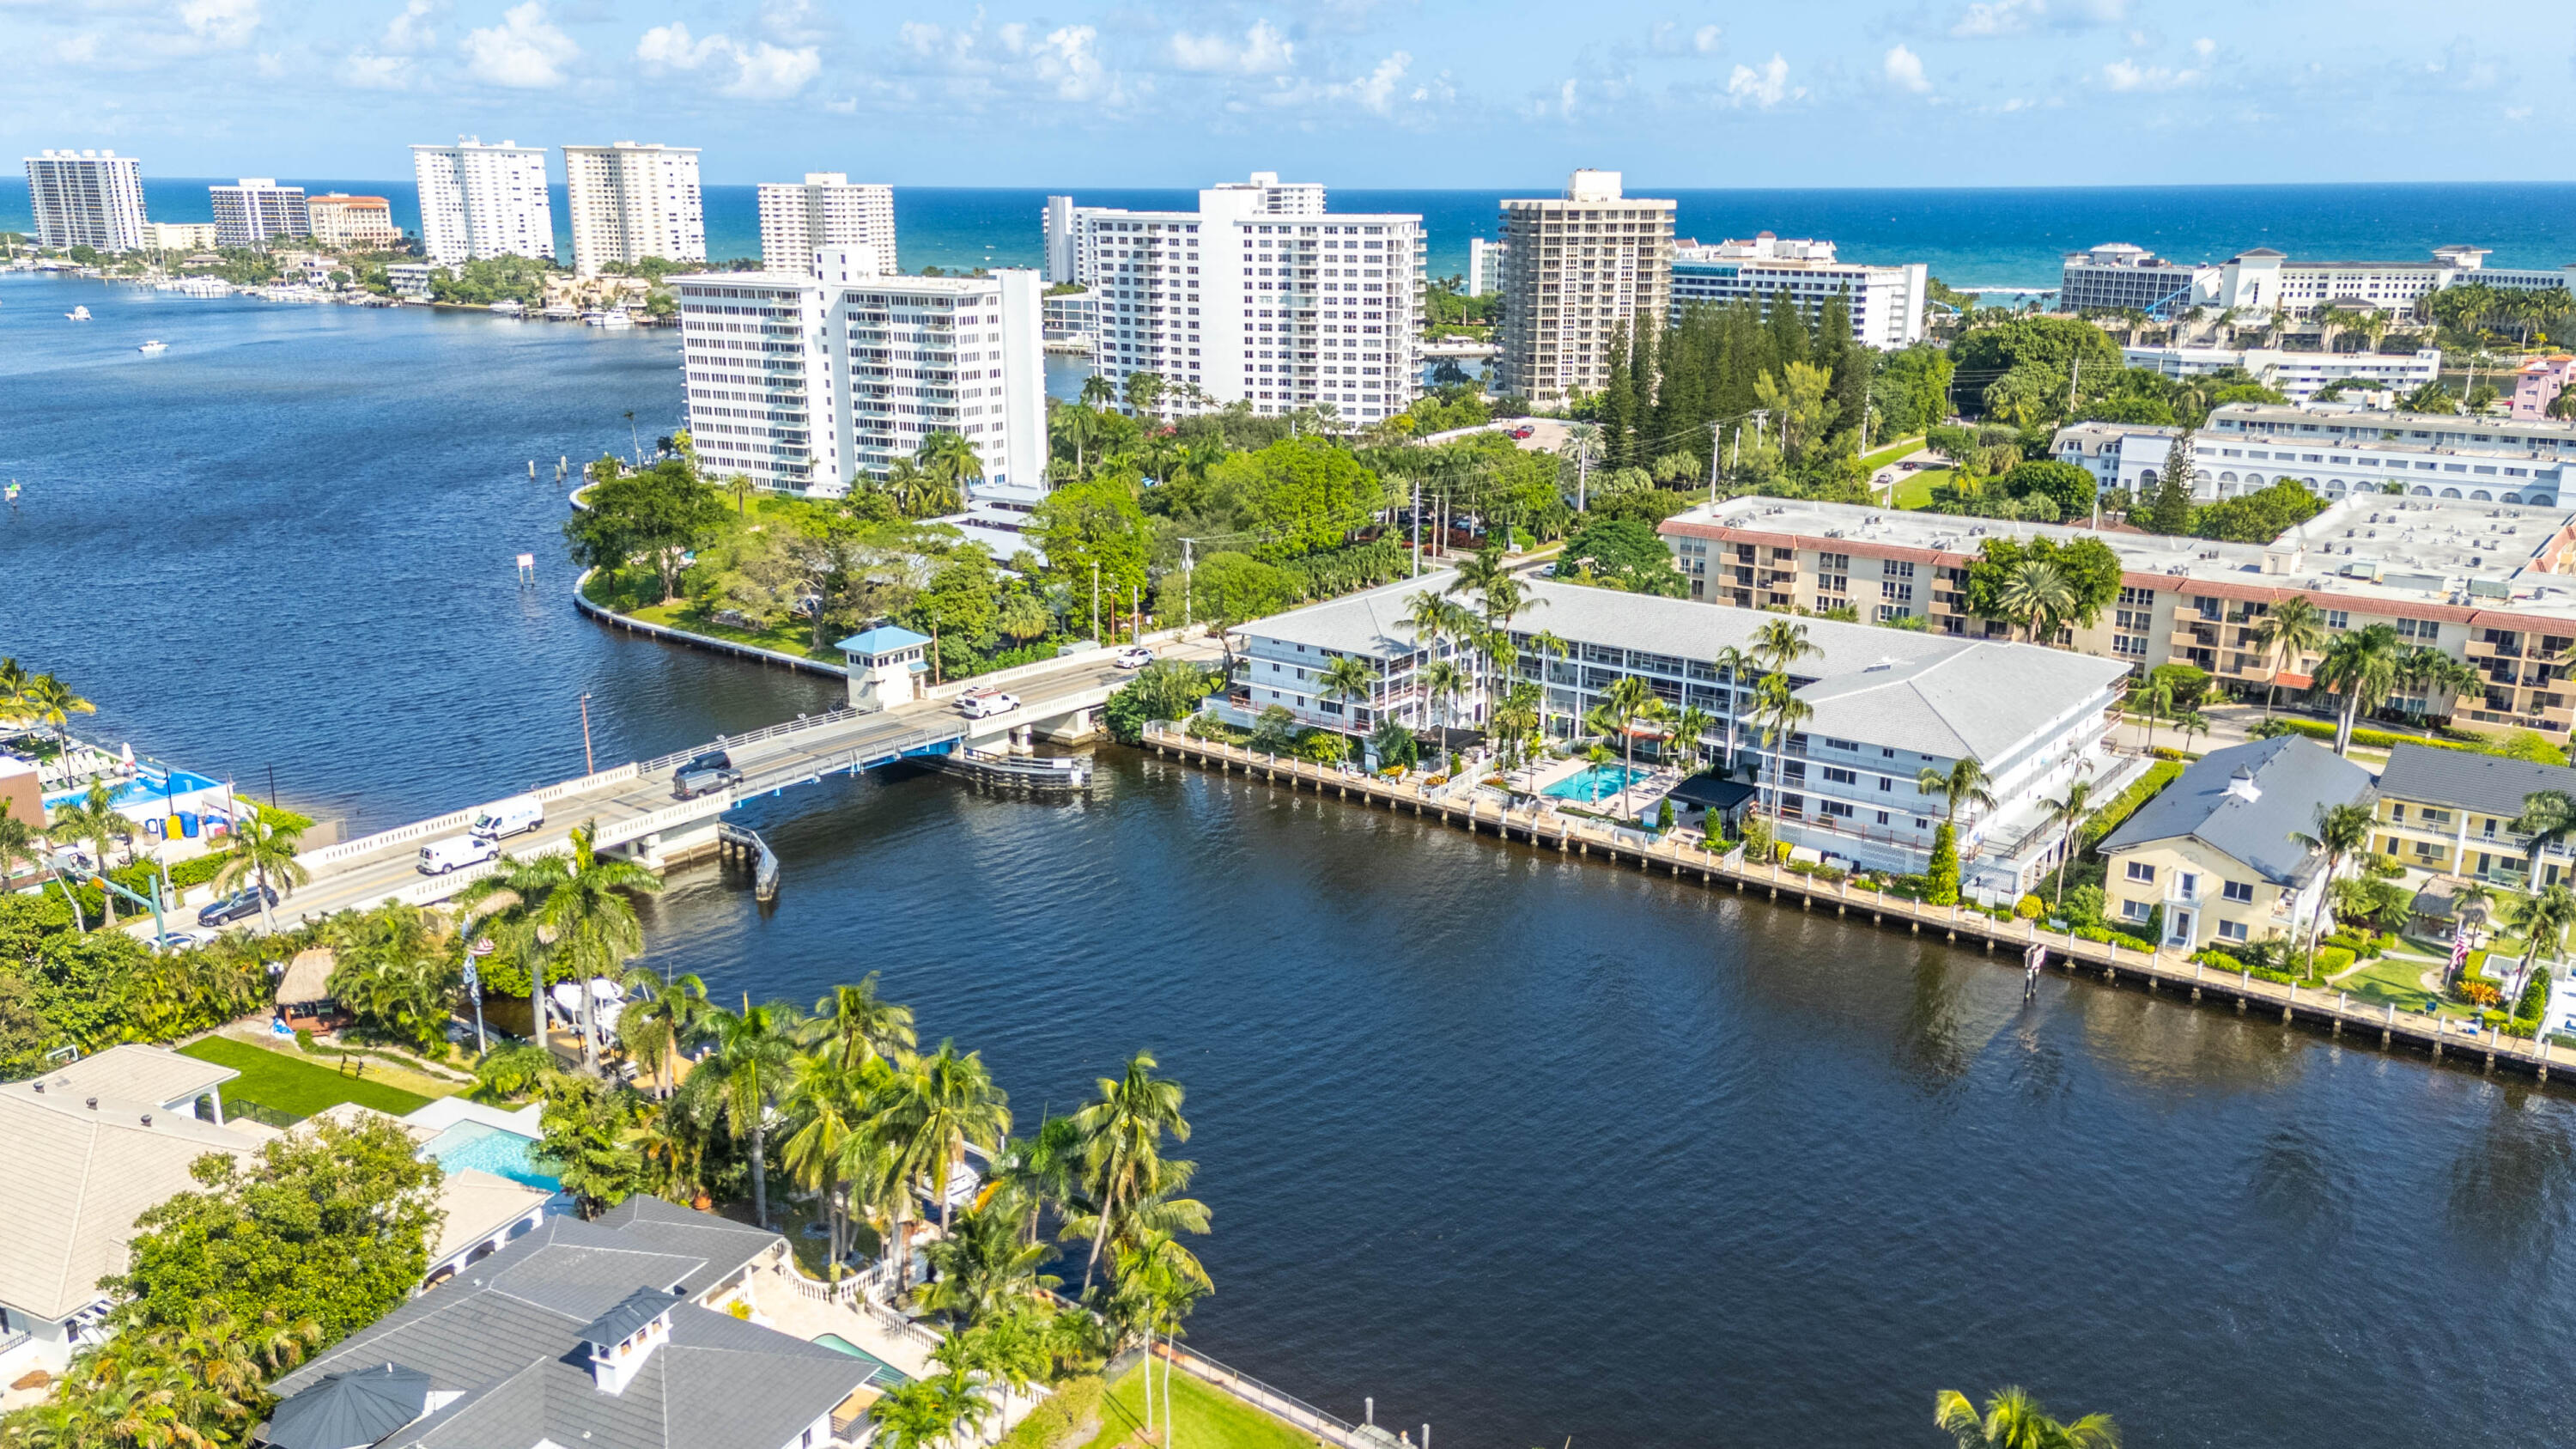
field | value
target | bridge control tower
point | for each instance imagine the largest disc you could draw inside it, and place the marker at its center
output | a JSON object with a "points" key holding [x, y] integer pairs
{"points": [[887, 667]]}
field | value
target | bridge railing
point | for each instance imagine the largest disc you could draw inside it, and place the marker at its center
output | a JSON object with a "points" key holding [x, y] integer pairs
{"points": [[729, 742], [420, 830]]}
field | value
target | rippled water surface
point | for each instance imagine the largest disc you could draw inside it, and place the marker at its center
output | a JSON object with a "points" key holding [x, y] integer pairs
{"points": [[1524, 1147]]}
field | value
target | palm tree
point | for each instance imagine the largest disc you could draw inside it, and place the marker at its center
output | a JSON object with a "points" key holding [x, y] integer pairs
{"points": [[658, 1017], [2340, 831], [264, 852], [983, 1268], [2428, 671], [739, 488], [573, 909], [2068, 812], [1690, 731], [2190, 722], [944, 1102], [2543, 919], [1350, 679], [1081, 428], [13, 689], [2156, 697], [44, 701], [857, 1023], [1778, 711], [750, 1061], [2548, 817], [1548, 646], [1780, 643], [2014, 1420], [2037, 595], [1098, 391], [1735, 666], [2294, 629], [2360, 666], [1623, 705], [93, 822], [1441, 681], [948, 455], [832, 1101], [1964, 783], [17, 847], [1122, 1135]]}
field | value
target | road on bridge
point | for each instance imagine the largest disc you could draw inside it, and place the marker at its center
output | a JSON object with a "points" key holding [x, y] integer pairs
{"points": [[787, 754]]}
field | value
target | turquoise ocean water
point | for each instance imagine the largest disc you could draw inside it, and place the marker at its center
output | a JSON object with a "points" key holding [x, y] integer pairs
{"points": [[1971, 238]]}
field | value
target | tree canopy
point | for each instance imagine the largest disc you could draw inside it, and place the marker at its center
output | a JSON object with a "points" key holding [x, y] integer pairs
{"points": [[2089, 567]]}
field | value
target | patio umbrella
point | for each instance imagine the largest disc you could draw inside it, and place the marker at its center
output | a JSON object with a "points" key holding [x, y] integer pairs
{"points": [[350, 1410]]}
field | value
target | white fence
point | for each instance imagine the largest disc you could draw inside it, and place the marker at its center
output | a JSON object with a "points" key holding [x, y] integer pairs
{"points": [[420, 830]]}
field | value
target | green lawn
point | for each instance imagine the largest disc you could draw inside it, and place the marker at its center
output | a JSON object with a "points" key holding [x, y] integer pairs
{"points": [[1914, 490], [1892, 452], [1215, 1420], [638, 597], [295, 1088]]}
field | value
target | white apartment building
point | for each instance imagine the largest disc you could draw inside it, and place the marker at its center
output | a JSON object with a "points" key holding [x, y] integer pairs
{"points": [[631, 202], [2253, 283], [479, 201], [179, 236], [2298, 375], [802, 379], [1886, 302], [1578, 270], [86, 198], [255, 211], [1072, 318], [342, 220], [1887, 704], [1484, 266], [1260, 296], [2337, 450], [797, 219]]}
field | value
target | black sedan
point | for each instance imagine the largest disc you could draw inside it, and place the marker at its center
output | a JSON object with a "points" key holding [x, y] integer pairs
{"points": [[240, 905]]}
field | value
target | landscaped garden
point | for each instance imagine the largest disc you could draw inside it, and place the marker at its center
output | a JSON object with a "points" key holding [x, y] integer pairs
{"points": [[295, 1089]]}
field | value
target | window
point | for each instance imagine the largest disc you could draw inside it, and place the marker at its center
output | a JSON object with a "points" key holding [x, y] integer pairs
{"points": [[1836, 807], [2238, 890], [2186, 885], [2231, 930], [2141, 872], [1834, 775], [2134, 910]]}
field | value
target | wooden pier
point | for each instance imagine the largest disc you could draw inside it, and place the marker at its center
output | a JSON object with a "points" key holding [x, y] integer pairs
{"points": [[2154, 971]]}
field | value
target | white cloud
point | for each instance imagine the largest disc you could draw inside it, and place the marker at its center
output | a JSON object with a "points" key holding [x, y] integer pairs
{"points": [[2204, 47], [1904, 68], [371, 72], [78, 49], [1001, 66], [408, 33], [2012, 17], [524, 51], [1706, 39], [220, 22], [1262, 51], [1762, 88], [761, 71], [2128, 75], [1065, 61]]}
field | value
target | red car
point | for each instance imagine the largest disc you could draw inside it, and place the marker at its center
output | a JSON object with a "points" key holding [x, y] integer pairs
{"points": [[1523, 431]]}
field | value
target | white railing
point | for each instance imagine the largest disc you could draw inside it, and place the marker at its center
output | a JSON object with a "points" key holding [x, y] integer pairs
{"points": [[733, 742], [440, 824]]}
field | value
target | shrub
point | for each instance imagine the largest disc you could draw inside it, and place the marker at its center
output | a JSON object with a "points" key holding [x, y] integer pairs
{"points": [[2126, 803], [1074, 1405], [1664, 815], [2333, 959], [2478, 993], [1941, 877], [2030, 908], [2375, 739]]}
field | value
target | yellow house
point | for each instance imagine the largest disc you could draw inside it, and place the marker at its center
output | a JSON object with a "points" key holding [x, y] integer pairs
{"points": [[2215, 852], [2451, 812]]}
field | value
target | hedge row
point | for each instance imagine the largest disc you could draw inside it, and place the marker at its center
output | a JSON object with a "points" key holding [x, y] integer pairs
{"points": [[2379, 739], [2126, 803]]}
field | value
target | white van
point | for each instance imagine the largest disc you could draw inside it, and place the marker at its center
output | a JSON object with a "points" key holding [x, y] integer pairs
{"points": [[457, 851], [513, 816], [985, 703]]}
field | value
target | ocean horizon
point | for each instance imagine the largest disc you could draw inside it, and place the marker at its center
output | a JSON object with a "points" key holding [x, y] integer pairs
{"points": [[1993, 239]]}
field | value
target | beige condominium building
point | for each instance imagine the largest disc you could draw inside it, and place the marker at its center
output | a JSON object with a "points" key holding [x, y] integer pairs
{"points": [[2452, 812], [2218, 858], [2487, 583], [342, 220], [632, 202], [1578, 270]]}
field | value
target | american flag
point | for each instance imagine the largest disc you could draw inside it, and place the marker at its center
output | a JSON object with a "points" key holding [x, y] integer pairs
{"points": [[2459, 950]]}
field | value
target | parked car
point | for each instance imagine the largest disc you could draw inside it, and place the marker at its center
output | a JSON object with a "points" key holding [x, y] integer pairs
{"points": [[514, 816], [181, 940], [1135, 656], [456, 852], [985, 703], [240, 905], [709, 772], [1523, 431]]}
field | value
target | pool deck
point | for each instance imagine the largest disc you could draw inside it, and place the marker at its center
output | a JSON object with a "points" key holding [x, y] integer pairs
{"points": [[1687, 858]]}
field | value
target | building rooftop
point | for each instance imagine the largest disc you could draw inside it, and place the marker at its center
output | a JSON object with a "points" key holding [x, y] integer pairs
{"points": [[503, 1345], [883, 639], [2470, 780], [2249, 800], [2420, 557], [133, 1072]]}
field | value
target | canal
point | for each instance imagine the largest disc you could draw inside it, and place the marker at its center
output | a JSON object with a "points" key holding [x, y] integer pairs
{"points": [[1521, 1146]]}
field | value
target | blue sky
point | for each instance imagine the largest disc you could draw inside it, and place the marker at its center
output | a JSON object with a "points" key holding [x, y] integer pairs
{"points": [[1350, 92]]}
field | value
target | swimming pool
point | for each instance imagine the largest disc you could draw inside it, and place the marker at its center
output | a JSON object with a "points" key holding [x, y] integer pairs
{"points": [[1595, 783], [883, 1376], [144, 788], [494, 1150]]}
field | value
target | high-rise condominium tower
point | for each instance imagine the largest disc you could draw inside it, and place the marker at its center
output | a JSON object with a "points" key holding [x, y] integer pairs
{"points": [[483, 201], [630, 202], [87, 198], [1578, 270], [826, 209]]}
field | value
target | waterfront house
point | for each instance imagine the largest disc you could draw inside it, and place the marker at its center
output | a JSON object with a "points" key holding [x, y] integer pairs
{"points": [[2451, 812], [615, 1334], [1888, 704], [2217, 851]]}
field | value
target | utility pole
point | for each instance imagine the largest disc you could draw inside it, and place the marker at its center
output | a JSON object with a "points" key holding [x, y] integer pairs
{"points": [[1712, 462], [2074, 370], [1185, 583], [1417, 528], [1582, 475], [589, 766], [1095, 601]]}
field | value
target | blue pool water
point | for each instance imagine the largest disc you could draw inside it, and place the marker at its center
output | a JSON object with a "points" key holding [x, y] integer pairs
{"points": [[144, 787], [883, 1376], [494, 1150], [1595, 783]]}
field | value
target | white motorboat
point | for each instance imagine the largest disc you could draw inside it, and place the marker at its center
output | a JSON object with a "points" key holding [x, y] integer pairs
{"points": [[78, 314], [153, 345]]}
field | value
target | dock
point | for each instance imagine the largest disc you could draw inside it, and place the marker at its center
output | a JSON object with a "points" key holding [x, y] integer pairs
{"points": [[1687, 860]]}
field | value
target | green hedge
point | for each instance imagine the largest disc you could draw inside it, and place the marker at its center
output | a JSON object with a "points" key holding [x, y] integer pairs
{"points": [[2378, 739], [2333, 959], [2126, 803]]}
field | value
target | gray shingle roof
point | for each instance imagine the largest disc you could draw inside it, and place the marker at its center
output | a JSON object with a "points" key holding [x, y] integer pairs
{"points": [[2292, 776], [509, 1336], [629, 1314], [2467, 780]]}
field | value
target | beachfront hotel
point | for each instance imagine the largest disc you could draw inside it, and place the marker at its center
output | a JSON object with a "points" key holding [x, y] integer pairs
{"points": [[2119, 277], [479, 201], [2483, 582], [800, 380], [342, 220], [1260, 296], [1886, 302], [2338, 450], [1578, 270], [798, 219], [1888, 704], [632, 203], [87, 198]]}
